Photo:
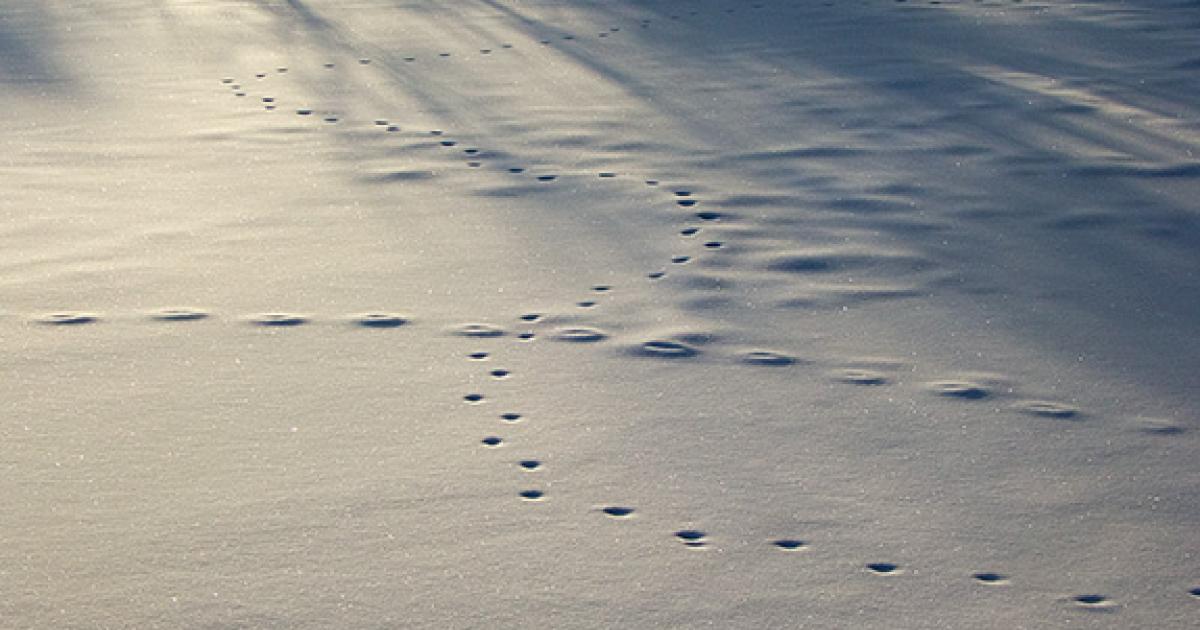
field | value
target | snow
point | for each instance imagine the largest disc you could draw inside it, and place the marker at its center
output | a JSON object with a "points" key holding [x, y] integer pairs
{"points": [[782, 314]]}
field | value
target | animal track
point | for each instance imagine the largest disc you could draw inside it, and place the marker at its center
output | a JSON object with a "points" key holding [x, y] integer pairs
{"points": [[661, 349], [1047, 409], [1092, 601], [479, 330], [68, 319], [654, 348], [1158, 426], [532, 495], [579, 335], [179, 315], [766, 357], [279, 319], [960, 389], [991, 578], [380, 320], [693, 538], [856, 376]]}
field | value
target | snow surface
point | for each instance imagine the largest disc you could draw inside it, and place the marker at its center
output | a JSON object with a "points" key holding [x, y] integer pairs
{"points": [[547, 314]]}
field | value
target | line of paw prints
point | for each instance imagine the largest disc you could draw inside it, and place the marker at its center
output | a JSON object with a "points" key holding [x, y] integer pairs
{"points": [[675, 349], [664, 349], [698, 539], [672, 349], [683, 198]]}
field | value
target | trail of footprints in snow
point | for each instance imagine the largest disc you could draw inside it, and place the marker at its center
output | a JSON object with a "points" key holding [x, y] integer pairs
{"points": [[667, 349]]}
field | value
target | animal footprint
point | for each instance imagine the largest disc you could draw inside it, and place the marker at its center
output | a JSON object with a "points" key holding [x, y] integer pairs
{"points": [[991, 578], [616, 511], [960, 389], [380, 320], [479, 330], [856, 376], [179, 315], [660, 349], [580, 335], [1047, 409], [68, 319], [693, 538], [1093, 601], [766, 357], [279, 319]]}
